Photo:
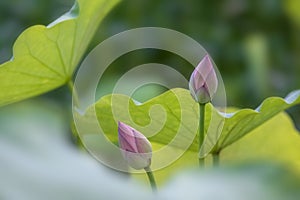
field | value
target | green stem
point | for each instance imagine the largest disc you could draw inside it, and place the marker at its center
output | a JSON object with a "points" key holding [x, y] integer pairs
{"points": [[151, 179], [201, 131], [201, 162], [73, 92], [216, 159]]}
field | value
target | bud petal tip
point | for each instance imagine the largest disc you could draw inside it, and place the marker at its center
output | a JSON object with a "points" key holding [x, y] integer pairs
{"points": [[203, 82]]}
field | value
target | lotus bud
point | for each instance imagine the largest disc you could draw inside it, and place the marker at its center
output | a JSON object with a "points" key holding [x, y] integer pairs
{"points": [[134, 146], [203, 82]]}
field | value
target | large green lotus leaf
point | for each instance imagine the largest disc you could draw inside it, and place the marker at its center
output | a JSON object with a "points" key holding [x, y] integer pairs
{"points": [[168, 118], [45, 58], [175, 112], [243, 121], [276, 141], [162, 118]]}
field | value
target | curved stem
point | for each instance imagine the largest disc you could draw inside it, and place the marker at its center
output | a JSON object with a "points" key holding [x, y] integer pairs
{"points": [[151, 179], [201, 162], [73, 92], [74, 95], [201, 131], [216, 159]]}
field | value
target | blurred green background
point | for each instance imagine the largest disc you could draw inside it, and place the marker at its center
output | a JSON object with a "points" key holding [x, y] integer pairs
{"points": [[255, 43]]}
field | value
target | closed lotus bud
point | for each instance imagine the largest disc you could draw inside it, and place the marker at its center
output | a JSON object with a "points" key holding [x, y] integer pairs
{"points": [[135, 147], [203, 82]]}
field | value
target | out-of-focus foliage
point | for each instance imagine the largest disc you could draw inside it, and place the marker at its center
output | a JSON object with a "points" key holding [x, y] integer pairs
{"points": [[37, 162], [225, 30], [254, 43]]}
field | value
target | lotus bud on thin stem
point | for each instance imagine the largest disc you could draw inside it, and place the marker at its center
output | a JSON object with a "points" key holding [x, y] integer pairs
{"points": [[136, 150]]}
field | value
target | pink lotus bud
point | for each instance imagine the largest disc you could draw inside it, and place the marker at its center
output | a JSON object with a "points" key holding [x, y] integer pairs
{"points": [[203, 82], [135, 147]]}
